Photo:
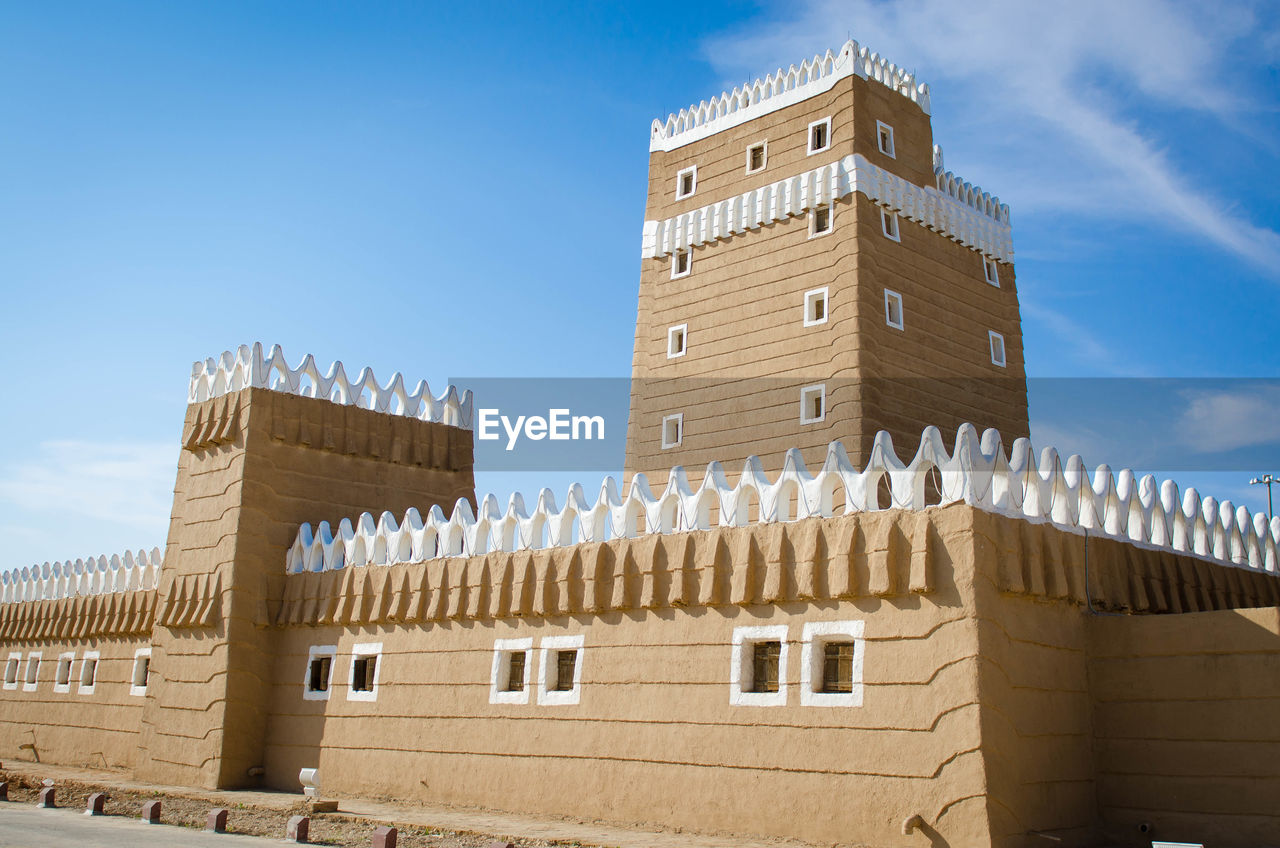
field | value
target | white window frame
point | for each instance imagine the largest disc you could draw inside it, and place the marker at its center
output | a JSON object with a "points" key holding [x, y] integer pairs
{"points": [[991, 271], [808, 392], [675, 260], [808, 142], [679, 419], [683, 330], [1003, 361], [881, 128], [360, 651], [887, 215], [764, 160], [89, 657], [68, 657], [134, 688], [17, 676], [810, 297], [891, 295], [814, 232], [692, 169], [741, 666], [314, 653], [815, 635], [501, 670], [548, 647], [26, 672]]}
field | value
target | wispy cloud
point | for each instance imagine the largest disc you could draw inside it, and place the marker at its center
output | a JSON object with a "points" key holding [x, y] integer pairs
{"points": [[1065, 84], [1222, 421]]}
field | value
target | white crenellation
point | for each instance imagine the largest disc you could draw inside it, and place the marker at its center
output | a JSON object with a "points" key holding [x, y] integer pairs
{"points": [[966, 192], [102, 575], [782, 89], [978, 472], [960, 211], [248, 367]]}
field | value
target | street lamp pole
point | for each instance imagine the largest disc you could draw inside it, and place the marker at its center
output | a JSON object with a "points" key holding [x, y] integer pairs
{"points": [[1268, 479]]}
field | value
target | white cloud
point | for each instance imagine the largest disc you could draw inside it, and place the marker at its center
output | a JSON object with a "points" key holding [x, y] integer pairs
{"points": [[1059, 82], [1222, 421]]}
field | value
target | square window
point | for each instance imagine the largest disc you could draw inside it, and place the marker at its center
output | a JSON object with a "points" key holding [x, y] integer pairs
{"points": [[813, 404], [997, 348], [819, 136], [831, 664], [62, 678], [141, 671], [889, 223], [686, 182], [509, 675], [560, 659], [672, 430], [88, 673], [677, 340], [319, 672], [757, 156], [681, 264], [991, 271], [884, 138], [815, 307], [758, 672], [366, 664], [32, 679], [11, 669], [893, 309], [820, 221]]}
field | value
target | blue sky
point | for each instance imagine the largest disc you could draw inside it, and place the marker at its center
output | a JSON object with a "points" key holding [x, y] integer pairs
{"points": [[459, 189]]}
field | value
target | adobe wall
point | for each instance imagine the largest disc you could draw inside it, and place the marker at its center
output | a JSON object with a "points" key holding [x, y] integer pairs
{"points": [[1185, 717]]}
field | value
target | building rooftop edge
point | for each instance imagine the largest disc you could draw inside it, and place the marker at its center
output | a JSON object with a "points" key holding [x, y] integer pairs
{"points": [[100, 575]]}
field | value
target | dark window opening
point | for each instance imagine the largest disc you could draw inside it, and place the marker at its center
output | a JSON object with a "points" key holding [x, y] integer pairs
{"points": [[566, 665], [837, 667], [515, 672], [362, 673], [318, 679], [764, 666]]}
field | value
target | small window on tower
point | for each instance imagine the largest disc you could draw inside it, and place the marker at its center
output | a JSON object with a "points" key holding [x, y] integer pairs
{"points": [[509, 678], [681, 264], [686, 182], [88, 672], [758, 674], [366, 660], [764, 666], [141, 671], [893, 309], [997, 348], [819, 221], [32, 680], [11, 671], [831, 657], [813, 404], [62, 680], [319, 672], [889, 223], [757, 156], [672, 430], [560, 681], [884, 138], [676, 340], [819, 136], [992, 271], [815, 307]]}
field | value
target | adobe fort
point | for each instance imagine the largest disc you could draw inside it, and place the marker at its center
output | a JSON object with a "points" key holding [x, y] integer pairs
{"points": [[958, 642]]}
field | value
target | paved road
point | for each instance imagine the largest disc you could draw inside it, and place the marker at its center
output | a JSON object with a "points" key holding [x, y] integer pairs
{"points": [[28, 826]]}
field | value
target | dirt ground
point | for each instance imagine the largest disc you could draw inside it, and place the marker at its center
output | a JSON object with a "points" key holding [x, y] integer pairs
{"points": [[333, 829]]}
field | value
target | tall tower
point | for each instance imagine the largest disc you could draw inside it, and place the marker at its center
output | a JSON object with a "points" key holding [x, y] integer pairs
{"points": [[811, 272]]}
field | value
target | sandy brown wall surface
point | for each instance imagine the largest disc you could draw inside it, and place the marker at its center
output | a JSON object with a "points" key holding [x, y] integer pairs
{"points": [[1187, 737]]}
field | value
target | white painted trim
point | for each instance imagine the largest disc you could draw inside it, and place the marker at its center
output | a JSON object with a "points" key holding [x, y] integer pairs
{"points": [[991, 271], [68, 657], [740, 666], [810, 150], [811, 659], [693, 170], [881, 126], [547, 671], [313, 653], [96, 659], [805, 394], [502, 651], [891, 295], [26, 673], [364, 649], [764, 160], [675, 260], [134, 688], [679, 419], [17, 673], [992, 338], [683, 329], [887, 216], [814, 232], [812, 295]]}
